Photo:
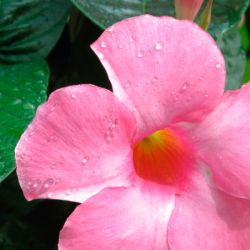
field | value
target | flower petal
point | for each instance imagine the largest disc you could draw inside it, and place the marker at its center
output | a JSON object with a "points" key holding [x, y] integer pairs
{"points": [[208, 219], [170, 70], [118, 218], [77, 144], [223, 142]]}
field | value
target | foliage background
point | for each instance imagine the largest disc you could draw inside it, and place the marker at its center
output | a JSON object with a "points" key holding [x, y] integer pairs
{"points": [[33, 30]]}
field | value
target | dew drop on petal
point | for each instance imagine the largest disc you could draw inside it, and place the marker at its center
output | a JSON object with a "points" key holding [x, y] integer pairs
{"points": [[73, 96], [53, 166], [103, 44], [120, 46], [49, 182], [159, 46], [218, 66], [68, 192], [154, 79], [127, 84], [184, 87], [131, 39], [140, 55], [85, 160]]}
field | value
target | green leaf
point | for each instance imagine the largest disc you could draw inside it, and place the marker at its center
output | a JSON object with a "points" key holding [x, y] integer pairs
{"points": [[106, 12], [30, 28], [235, 57], [22, 88], [225, 13]]}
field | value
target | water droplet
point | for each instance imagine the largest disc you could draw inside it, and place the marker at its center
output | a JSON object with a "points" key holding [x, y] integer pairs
{"points": [[218, 66], [199, 44], [180, 69], [49, 182], [120, 46], [127, 85], [103, 44], [159, 46], [140, 55], [35, 185], [97, 158], [184, 87], [85, 160], [155, 79], [57, 181], [73, 96], [156, 64], [148, 53], [131, 39], [53, 166], [68, 192]]}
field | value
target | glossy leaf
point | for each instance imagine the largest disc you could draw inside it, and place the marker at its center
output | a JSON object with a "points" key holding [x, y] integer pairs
{"points": [[22, 88], [235, 57], [225, 13], [30, 28]]}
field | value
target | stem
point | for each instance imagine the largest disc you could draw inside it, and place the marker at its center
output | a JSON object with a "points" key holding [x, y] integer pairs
{"points": [[144, 6]]}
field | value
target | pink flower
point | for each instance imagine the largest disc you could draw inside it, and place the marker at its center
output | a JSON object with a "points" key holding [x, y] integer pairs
{"points": [[160, 163], [187, 9]]}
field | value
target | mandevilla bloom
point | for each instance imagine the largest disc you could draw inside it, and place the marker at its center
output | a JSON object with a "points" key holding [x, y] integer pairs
{"points": [[187, 9], [162, 162]]}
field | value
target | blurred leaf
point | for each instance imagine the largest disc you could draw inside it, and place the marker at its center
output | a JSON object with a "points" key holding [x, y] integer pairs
{"points": [[30, 28], [225, 15], [22, 88], [235, 57]]}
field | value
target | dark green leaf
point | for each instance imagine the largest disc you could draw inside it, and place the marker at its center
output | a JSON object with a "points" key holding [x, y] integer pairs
{"points": [[225, 13], [30, 28], [22, 88], [106, 12], [235, 57]]}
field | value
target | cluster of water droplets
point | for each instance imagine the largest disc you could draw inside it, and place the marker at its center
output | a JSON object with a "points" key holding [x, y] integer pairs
{"points": [[36, 186], [111, 130]]}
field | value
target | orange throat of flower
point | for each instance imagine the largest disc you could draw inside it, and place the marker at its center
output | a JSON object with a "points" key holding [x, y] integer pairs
{"points": [[161, 157]]}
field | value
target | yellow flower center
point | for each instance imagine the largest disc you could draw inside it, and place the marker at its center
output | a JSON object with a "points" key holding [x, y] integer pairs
{"points": [[161, 157]]}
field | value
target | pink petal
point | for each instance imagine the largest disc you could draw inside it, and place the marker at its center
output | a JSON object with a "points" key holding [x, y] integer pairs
{"points": [[187, 9], [208, 219], [77, 144], [118, 218], [166, 70], [223, 142]]}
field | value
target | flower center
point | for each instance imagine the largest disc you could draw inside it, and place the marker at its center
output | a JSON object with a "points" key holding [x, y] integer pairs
{"points": [[162, 157]]}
